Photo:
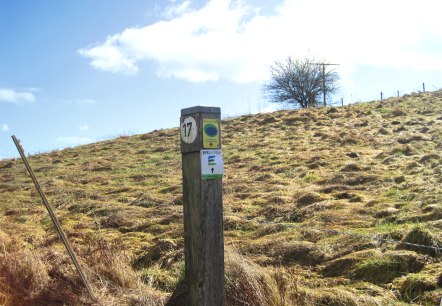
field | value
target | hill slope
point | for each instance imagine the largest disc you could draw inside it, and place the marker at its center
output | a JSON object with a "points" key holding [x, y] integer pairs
{"points": [[322, 207]]}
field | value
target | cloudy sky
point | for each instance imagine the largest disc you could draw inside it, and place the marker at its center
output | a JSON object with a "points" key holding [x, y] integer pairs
{"points": [[74, 72]]}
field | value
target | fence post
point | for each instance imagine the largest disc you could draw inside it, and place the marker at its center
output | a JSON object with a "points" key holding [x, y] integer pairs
{"points": [[382, 95], [203, 169], [423, 87], [54, 218]]}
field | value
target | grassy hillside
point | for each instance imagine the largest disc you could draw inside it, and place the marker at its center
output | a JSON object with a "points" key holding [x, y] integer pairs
{"points": [[322, 207]]}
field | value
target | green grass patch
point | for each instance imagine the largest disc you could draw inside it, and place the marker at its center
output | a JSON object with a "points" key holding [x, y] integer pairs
{"points": [[311, 177], [378, 270]]}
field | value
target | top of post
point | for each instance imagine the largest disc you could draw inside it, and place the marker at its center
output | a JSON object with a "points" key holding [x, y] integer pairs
{"points": [[200, 109]]}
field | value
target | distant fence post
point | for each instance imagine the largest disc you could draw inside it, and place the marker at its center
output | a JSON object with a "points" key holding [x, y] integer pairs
{"points": [[423, 87], [382, 95], [203, 169]]}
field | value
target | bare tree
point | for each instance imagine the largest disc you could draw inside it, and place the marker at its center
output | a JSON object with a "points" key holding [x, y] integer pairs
{"points": [[300, 81]]}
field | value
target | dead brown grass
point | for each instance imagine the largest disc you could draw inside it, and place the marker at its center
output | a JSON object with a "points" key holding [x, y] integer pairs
{"points": [[23, 273], [28, 278], [371, 169], [249, 284]]}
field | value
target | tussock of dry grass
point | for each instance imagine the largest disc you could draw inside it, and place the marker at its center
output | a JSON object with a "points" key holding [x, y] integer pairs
{"points": [[23, 273], [246, 283], [28, 278]]}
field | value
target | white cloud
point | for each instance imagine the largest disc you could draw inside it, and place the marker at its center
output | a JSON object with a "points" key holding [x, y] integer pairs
{"points": [[111, 57], [16, 97], [73, 140], [83, 127], [5, 127], [177, 10], [235, 40]]}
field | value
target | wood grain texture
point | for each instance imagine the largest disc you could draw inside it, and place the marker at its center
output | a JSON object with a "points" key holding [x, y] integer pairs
{"points": [[203, 227]]}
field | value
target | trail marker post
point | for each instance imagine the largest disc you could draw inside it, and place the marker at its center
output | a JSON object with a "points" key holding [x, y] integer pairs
{"points": [[203, 169]]}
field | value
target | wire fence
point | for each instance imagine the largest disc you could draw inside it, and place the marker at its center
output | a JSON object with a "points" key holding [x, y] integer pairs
{"points": [[376, 237], [381, 95], [380, 238]]}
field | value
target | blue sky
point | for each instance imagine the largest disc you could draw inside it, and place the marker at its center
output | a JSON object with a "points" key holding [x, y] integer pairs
{"points": [[74, 72]]}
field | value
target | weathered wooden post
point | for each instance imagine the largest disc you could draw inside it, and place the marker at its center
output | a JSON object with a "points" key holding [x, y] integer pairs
{"points": [[203, 170]]}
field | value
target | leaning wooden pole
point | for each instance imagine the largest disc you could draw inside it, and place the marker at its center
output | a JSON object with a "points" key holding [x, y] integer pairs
{"points": [[54, 218]]}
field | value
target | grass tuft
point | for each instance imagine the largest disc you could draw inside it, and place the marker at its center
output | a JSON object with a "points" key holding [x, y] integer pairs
{"points": [[421, 236], [372, 169]]}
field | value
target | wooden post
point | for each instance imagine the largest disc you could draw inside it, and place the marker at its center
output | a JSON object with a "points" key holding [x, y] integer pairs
{"points": [[323, 85], [324, 90], [398, 93], [423, 87], [382, 95], [203, 170]]}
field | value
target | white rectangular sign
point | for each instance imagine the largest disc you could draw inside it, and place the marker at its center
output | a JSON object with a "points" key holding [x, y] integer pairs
{"points": [[212, 164]]}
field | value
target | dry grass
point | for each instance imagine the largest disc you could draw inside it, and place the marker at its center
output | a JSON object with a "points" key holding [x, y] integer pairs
{"points": [[23, 273], [372, 168], [249, 284], [28, 278]]}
